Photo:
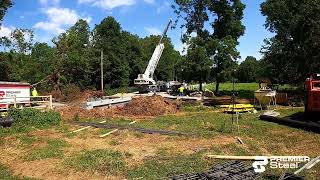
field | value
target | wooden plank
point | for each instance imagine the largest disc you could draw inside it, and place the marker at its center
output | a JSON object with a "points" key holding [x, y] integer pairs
{"points": [[309, 165], [242, 157], [143, 130], [87, 127], [231, 157], [104, 135]]}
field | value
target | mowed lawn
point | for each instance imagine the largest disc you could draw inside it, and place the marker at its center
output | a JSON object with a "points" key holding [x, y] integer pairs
{"points": [[57, 153], [246, 90]]}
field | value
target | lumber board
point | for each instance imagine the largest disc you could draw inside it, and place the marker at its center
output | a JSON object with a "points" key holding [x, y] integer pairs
{"points": [[87, 127], [231, 157], [115, 130], [123, 127]]}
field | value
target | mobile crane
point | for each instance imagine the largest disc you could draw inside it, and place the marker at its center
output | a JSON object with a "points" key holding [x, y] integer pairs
{"points": [[145, 81]]}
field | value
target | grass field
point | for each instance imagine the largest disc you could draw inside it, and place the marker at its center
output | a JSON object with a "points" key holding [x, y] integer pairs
{"points": [[42, 152], [243, 90], [246, 90], [56, 153]]}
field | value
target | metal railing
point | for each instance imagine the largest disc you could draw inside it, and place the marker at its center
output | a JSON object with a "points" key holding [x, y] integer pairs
{"points": [[36, 102]]}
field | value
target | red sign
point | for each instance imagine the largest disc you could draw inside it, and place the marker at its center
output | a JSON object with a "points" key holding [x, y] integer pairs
{"points": [[2, 94]]}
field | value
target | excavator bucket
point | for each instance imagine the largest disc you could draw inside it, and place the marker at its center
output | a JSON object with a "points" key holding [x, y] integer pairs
{"points": [[6, 122]]}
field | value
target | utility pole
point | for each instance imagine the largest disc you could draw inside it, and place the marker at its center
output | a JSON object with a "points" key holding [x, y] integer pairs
{"points": [[101, 63]]}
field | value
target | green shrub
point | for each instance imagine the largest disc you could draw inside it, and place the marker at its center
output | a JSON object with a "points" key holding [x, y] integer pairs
{"points": [[27, 118]]}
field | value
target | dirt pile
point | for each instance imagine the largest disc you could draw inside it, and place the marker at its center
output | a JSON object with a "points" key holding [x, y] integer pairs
{"points": [[76, 112], [138, 107], [150, 106]]}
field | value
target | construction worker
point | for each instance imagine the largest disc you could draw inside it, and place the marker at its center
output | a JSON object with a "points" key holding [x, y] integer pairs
{"points": [[181, 90], [34, 92]]}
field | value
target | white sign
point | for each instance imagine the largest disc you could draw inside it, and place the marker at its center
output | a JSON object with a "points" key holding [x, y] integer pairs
{"points": [[7, 94]]}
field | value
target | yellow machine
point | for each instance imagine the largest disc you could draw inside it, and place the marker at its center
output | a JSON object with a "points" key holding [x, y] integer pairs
{"points": [[238, 108]]}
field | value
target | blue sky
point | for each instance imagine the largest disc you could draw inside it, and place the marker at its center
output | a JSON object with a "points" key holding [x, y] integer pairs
{"points": [[48, 18]]}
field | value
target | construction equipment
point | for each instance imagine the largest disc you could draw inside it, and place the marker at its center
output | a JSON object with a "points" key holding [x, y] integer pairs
{"points": [[312, 105], [145, 80]]}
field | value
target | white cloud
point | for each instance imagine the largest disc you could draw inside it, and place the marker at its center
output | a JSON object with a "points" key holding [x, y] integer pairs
{"points": [[6, 31], [58, 19], [165, 6], [153, 30], [108, 4], [181, 47], [149, 1], [49, 26], [49, 2]]}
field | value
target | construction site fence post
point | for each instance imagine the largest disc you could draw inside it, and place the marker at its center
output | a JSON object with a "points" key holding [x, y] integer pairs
{"points": [[14, 101], [50, 102]]}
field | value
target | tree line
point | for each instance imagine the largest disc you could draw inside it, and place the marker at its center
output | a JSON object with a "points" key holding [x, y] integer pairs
{"points": [[75, 56], [213, 29]]}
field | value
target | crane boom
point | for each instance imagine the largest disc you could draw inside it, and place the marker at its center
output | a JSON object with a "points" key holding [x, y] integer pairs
{"points": [[147, 77]]}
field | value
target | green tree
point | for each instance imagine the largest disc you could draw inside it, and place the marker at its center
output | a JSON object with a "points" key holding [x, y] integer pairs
{"points": [[294, 50], [134, 55], [20, 43], [219, 43], [108, 37], [194, 13], [248, 70], [4, 66], [227, 28], [72, 63], [78, 63], [40, 64], [4, 6]]}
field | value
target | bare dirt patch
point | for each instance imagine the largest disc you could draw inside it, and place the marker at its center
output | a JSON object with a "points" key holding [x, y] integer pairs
{"points": [[47, 169], [141, 146], [136, 146]]}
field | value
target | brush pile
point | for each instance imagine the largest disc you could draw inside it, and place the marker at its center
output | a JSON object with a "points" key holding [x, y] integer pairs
{"points": [[150, 106], [138, 107]]}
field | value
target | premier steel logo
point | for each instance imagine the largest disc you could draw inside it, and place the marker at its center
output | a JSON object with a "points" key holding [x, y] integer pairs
{"points": [[278, 162]]}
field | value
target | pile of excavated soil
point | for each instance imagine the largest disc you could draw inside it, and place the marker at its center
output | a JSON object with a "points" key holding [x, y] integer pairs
{"points": [[77, 112], [150, 106], [138, 107]]}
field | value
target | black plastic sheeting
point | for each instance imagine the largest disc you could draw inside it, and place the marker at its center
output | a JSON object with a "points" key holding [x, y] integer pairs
{"points": [[142, 130], [6, 122], [231, 170], [310, 126], [288, 176]]}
